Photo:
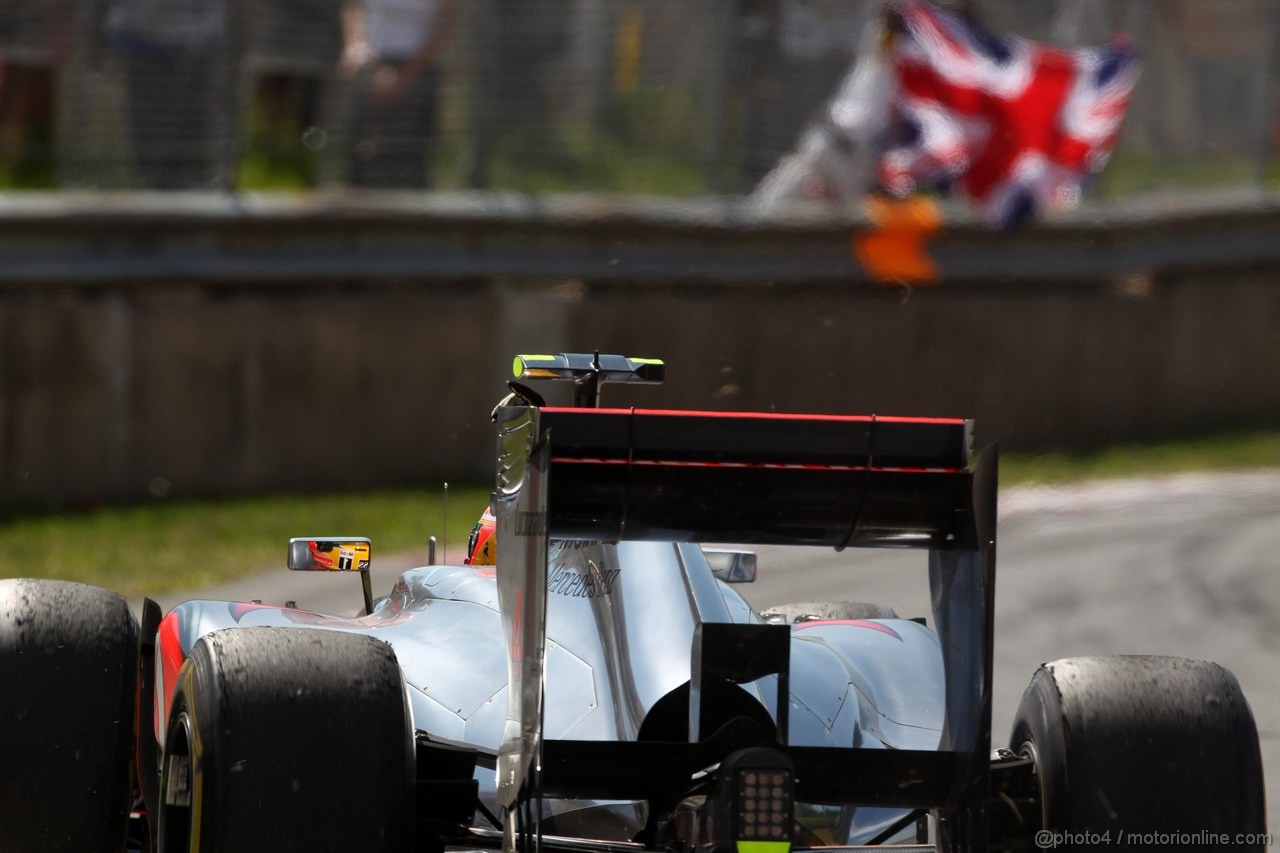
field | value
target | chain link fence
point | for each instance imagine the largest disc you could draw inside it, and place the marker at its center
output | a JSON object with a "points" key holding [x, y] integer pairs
{"points": [[661, 97]]}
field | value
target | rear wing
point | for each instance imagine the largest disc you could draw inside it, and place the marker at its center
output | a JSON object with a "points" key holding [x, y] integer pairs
{"points": [[755, 477], [625, 474]]}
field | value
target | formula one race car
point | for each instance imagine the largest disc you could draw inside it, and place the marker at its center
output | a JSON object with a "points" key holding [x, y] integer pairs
{"points": [[604, 687]]}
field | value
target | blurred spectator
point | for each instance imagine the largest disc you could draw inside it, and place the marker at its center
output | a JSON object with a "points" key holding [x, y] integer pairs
{"points": [[294, 46], [531, 43], [33, 47], [174, 55], [392, 49], [791, 55]]}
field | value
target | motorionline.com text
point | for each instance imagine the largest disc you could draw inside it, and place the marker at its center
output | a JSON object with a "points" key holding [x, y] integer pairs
{"points": [[1049, 839]]}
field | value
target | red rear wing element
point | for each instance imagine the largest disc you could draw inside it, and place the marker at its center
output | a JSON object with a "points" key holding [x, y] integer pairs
{"points": [[756, 477]]}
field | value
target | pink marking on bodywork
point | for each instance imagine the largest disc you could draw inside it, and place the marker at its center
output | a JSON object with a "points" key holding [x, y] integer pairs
{"points": [[857, 623], [171, 659]]}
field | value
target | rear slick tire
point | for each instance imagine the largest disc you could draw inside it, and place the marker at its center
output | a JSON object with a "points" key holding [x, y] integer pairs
{"points": [[288, 739], [1142, 753], [68, 689]]}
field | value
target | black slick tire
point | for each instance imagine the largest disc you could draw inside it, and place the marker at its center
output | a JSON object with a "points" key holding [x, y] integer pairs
{"points": [[68, 690], [1143, 753], [288, 739]]}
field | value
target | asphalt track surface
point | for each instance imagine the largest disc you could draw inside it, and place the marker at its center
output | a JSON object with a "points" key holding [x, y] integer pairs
{"points": [[1186, 566]]}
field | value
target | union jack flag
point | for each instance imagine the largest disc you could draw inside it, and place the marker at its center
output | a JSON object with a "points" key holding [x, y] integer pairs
{"points": [[1014, 125]]}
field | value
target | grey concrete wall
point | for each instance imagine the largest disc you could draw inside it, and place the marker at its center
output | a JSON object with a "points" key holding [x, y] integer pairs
{"points": [[1035, 367], [124, 392]]}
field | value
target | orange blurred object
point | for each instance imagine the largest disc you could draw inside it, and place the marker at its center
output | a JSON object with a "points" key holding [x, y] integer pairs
{"points": [[895, 249]]}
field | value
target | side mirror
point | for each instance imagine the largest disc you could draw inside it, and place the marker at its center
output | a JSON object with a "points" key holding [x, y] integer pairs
{"points": [[731, 566], [334, 554]]}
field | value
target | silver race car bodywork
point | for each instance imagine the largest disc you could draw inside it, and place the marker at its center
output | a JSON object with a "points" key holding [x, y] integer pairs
{"points": [[602, 668], [620, 623]]}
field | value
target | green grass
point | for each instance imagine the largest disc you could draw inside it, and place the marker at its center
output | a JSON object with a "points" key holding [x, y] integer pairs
{"points": [[181, 545], [1234, 451]]}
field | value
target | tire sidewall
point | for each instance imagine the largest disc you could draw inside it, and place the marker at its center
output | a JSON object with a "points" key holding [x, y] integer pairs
{"points": [[188, 718], [1039, 734], [68, 701]]}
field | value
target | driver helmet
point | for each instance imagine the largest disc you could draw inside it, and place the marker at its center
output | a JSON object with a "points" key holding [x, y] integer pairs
{"points": [[482, 549]]}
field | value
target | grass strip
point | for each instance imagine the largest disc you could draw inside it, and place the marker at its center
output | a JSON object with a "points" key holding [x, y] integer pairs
{"points": [[176, 545], [1228, 452]]}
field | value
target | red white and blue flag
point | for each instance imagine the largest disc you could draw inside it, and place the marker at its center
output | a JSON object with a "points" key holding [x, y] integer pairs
{"points": [[1013, 124]]}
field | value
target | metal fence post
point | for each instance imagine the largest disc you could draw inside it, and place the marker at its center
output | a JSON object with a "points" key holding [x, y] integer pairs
{"points": [[482, 31], [1269, 121], [724, 32], [233, 78]]}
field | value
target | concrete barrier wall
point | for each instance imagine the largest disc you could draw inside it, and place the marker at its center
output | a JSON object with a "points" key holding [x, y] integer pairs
{"points": [[121, 392]]}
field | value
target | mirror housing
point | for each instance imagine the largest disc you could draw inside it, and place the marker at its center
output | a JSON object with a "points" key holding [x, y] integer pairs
{"points": [[731, 566], [334, 554], [330, 554]]}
